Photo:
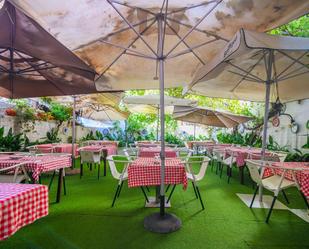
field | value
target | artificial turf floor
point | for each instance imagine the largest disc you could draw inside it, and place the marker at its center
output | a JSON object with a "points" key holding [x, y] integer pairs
{"points": [[85, 219]]}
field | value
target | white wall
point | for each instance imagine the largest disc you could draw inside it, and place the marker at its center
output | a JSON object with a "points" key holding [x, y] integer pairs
{"points": [[38, 129], [283, 134]]}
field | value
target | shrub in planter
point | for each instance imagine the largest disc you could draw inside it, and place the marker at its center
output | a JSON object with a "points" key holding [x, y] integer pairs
{"points": [[10, 112]]}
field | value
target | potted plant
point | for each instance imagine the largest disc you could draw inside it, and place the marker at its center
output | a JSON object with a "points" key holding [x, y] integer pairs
{"points": [[10, 112]]}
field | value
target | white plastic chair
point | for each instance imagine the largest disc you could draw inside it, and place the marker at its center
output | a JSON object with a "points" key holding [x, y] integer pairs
{"points": [[203, 161], [90, 157], [14, 174], [275, 183]]}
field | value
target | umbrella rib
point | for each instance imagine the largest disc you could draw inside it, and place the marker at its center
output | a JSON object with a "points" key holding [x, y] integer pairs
{"points": [[290, 73], [293, 59], [187, 45], [114, 33], [239, 68], [193, 28], [130, 25], [127, 48], [250, 70], [132, 7], [124, 51], [190, 49], [197, 29], [246, 77], [190, 7], [29, 63], [293, 76], [289, 66]]}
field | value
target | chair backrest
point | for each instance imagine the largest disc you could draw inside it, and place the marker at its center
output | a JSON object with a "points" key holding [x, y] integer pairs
{"points": [[218, 154], [281, 155], [89, 156], [253, 167], [112, 165], [14, 174], [203, 161]]}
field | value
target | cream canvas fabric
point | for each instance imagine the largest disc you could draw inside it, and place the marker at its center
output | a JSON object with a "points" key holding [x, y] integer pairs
{"points": [[238, 71]]}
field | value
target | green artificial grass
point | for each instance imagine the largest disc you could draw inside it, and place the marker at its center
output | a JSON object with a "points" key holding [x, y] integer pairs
{"points": [[85, 219]]}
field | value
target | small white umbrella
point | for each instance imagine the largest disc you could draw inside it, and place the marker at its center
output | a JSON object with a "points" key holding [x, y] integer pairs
{"points": [[151, 104], [206, 116]]}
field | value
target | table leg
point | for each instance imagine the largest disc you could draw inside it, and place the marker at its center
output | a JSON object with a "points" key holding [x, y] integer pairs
{"points": [[157, 194], [241, 169], [60, 181], [104, 164]]}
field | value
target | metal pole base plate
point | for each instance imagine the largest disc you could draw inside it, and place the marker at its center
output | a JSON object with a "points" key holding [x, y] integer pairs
{"points": [[162, 224]]}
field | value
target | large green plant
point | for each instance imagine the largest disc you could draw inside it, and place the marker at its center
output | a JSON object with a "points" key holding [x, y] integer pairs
{"points": [[52, 136], [10, 142], [297, 156]]}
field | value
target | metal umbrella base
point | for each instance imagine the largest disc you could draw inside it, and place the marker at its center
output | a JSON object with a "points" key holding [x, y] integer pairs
{"points": [[157, 223]]}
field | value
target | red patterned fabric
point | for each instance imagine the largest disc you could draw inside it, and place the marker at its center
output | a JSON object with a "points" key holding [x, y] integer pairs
{"points": [[111, 149], [66, 148], [145, 171], [38, 165], [302, 176], [45, 148], [152, 152], [242, 153], [20, 205]]}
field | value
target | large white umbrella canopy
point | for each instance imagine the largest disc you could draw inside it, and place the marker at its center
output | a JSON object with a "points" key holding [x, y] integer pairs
{"points": [[151, 103], [98, 32], [274, 65], [238, 71], [209, 117]]}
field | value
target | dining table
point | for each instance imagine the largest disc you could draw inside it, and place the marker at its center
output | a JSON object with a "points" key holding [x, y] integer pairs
{"points": [[104, 149], [146, 171], [21, 205], [38, 165], [155, 151]]}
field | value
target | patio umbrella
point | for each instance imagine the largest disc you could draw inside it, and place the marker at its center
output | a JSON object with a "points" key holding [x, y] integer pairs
{"points": [[253, 64], [206, 116], [143, 42], [102, 113], [33, 63], [151, 104]]}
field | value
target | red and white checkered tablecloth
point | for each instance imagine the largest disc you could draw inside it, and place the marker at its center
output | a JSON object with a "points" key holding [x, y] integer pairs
{"points": [[242, 154], [145, 171], [302, 176], [153, 151], [20, 205], [38, 165], [111, 149], [66, 148]]}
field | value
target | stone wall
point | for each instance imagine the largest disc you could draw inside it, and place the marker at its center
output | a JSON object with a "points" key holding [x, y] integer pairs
{"points": [[38, 129]]}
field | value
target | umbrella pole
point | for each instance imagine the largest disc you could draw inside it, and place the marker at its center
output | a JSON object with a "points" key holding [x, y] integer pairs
{"points": [[162, 222], [158, 123], [266, 110], [73, 131]]}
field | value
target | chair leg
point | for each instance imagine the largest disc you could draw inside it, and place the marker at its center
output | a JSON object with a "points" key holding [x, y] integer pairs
{"points": [[120, 189], [271, 208], [168, 187], [194, 190], [148, 190], [221, 170], [217, 166], [81, 173], [99, 171], [51, 180], [305, 198], [170, 196], [115, 196], [229, 174], [64, 187], [285, 196], [254, 195], [146, 198], [199, 195]]}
